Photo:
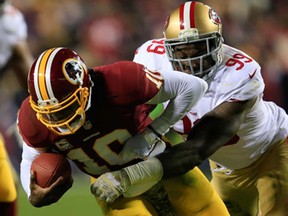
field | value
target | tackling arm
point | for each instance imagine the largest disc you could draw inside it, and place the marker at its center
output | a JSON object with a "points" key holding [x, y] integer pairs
{"points": [[213, 130], [183, 91]]}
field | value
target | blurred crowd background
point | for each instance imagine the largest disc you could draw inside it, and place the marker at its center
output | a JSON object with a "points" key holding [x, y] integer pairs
{"points": [[104, 31]]}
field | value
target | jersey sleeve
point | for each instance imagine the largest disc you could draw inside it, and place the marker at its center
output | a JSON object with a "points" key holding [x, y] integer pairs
{"points": [[239, 79], [248, 86], [33, 132], [183, 91]]}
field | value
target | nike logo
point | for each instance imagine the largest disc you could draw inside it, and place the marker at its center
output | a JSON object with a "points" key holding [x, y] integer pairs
{"points": [[252, 75]]}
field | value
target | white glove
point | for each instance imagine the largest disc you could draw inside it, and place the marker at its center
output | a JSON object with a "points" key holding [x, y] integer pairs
{"points": [[129, 182], [109, 186], [142, 145]]}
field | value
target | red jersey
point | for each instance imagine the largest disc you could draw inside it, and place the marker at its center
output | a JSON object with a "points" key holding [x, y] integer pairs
{"points": [[117, 112]]}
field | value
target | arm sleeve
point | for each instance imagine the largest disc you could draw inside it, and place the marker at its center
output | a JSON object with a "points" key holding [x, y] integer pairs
{"points": [[183, 92], [28, 155]]}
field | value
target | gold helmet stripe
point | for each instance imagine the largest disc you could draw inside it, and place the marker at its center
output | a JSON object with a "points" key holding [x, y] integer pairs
{"points": [[42, 76]]}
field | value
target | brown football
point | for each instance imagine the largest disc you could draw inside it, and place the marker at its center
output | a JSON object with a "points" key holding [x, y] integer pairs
{"points": [[48, 167]]}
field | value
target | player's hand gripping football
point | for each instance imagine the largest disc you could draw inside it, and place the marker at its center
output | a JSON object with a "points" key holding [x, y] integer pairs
{"points": [[45, 196], [143, 145]]}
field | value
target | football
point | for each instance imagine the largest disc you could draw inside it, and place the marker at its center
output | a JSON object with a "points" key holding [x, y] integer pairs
{"points": [[48, 167]]}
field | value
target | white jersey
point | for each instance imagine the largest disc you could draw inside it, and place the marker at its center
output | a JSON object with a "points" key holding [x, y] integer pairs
{"points": [[238, 79], [13, 29]]}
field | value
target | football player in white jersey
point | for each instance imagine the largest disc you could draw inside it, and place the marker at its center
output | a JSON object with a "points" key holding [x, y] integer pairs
{"points": [[244, 136], [15, 55]]}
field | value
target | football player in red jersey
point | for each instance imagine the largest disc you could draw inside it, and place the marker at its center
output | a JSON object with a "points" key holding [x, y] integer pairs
{"points": [[88, 114], [244, 136]]}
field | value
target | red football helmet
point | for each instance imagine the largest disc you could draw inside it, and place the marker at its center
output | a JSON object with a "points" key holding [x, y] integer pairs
{"points": [[194, 24], [59, 83]]}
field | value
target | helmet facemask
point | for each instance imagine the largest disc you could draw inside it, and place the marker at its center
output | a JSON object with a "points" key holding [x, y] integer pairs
{"points": [[203, 64], [66, 117]]}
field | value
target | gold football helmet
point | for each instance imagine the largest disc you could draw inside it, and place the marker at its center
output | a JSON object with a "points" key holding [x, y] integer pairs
{"points": [[198, 27], [58, 84]]}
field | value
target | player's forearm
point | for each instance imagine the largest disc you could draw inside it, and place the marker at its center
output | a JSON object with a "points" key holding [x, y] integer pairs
{"points": [[28, 156], [129, 182], [178, 160], [183, 91]]}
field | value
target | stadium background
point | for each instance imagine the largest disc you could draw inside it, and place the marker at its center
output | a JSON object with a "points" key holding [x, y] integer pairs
{"points": [[104, 31]]}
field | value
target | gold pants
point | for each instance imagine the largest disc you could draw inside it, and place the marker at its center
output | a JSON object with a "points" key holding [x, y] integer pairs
{"points": [[189, 195], [261, 188], [7, 186]]}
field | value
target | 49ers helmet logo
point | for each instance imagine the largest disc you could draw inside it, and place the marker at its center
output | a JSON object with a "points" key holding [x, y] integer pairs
{"points": [[73, 71], [214, 17]]}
